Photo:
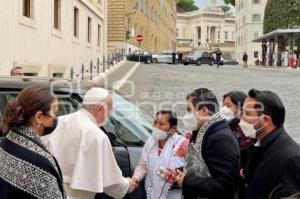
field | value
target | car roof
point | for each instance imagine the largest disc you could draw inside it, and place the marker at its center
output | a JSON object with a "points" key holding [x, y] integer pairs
{"points": [[59, 85]]}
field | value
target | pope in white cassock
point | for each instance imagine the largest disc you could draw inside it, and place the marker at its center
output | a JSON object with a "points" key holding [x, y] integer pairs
{"points": [[84, 152]]}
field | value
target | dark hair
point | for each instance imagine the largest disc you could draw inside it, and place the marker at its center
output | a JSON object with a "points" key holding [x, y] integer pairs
{"points": [[171, 115], [29, 101], [269, 104], [12, 71], [203, 97], [238, 98]]}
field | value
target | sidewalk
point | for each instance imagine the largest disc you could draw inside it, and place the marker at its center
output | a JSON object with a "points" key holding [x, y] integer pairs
{"points": [[114, 76]]}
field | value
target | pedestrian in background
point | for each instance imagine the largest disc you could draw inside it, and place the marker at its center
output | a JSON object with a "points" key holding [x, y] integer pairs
{"points": [[174, 54], [245, 60], [180, 55], [274, 160], [27, 169], [17, 71], [218, 56]]}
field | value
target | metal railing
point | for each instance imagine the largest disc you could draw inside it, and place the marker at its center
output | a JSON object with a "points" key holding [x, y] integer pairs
{"points": [[93, 68]]}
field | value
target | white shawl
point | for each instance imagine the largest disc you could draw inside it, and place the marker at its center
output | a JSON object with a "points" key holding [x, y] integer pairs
{"points": [[155, 186]]}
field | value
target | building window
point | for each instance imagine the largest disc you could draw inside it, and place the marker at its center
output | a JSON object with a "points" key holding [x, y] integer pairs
{"points": [[199, 32], [226, 35], [99, 36], [243, 20], [256, 1], [255, 54], [256, 18], [76, 22], [28, 8], [57, 14], [100, 2], [89, 30]]}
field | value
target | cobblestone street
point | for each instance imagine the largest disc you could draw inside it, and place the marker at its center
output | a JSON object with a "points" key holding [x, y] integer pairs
{"points": [[157, 86]]}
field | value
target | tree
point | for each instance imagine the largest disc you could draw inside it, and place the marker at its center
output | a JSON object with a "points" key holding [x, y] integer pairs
{"points": [[186, 6], [229, 2], [225, 9], [281, 14]]}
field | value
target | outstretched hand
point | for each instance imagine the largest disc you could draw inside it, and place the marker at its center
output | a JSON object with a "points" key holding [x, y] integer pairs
{"points": [[133, 184]]}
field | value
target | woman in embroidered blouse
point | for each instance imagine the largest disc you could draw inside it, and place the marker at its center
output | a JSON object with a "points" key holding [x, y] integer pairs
{"points": [[27, 169], [165, 149]]}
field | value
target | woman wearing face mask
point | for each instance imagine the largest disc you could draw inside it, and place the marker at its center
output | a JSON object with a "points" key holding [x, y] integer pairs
{"points": [[27, 169], [233, 107], [164, 149]]}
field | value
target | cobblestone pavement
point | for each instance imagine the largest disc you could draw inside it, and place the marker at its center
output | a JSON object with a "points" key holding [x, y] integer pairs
{"points": [[154, 86]]}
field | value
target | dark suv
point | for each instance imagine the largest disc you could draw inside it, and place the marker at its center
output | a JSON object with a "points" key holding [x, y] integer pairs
{"points": [[127, 128], [198, 58]]}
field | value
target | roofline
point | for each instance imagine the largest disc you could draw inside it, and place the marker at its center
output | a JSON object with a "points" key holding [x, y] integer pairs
{"points": [[276, 33]]}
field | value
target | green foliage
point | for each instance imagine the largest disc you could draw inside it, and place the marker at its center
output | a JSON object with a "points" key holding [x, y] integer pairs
{"points": [[225, 8], [281, 14], [186, 6], [231, 2]]}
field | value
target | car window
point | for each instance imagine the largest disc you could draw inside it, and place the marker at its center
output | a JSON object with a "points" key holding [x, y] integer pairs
{"points": [[197, 53], [131, 126], [66, 106]]}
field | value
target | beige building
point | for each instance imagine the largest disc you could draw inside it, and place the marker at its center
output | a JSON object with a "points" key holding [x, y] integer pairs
{"points": [[48, 37], [206, 29], [249, 26], [154, 19]]}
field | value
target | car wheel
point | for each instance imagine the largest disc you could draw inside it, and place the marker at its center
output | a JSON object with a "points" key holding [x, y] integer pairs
{"points": [[198, 63], [148, 61], [185, 64], [154, 60]]}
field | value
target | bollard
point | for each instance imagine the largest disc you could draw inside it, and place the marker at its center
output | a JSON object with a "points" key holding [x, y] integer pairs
{"points": [[98, 66], [91, 70], [103, 64], [82, 72], [72, 72]]}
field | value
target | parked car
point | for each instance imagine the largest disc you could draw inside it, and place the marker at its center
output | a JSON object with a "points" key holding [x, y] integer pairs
{"points": [[128, 129], [164, 57], [230, 61], [198, 58], [141, 56]]}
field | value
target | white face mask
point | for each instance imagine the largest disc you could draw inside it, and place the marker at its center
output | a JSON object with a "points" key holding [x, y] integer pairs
{"points": [[248, 129], [159, 134], [190, 122], [228, 113]]}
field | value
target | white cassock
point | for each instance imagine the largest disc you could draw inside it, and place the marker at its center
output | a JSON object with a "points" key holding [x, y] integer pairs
{"points": [[85, 156]]}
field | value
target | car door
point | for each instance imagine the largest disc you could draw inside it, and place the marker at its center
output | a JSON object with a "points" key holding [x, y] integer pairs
{"points": [[169, 57], [205, 58]]}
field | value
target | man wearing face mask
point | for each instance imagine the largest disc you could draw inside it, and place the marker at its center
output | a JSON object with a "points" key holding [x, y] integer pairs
{"points": [[274, 163], [212, 168], [84, 151], [164, 149]]}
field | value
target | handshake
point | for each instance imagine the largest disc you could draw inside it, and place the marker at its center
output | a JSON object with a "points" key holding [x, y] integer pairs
{"points": [[133, 184]]}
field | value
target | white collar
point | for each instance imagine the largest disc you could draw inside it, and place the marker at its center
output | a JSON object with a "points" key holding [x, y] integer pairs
{"points": [[257, 144], [88, 114]]}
